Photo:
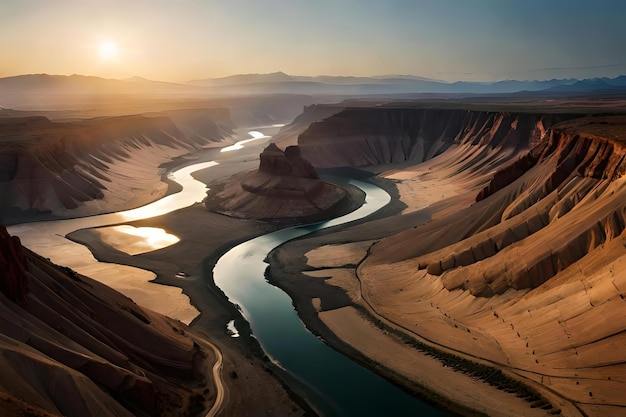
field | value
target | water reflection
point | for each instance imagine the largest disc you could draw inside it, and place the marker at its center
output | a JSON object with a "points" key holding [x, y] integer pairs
{"points": [[48, 240], [193, 192], [231, 329], [136, 240], [256, 135], [336, 384]]}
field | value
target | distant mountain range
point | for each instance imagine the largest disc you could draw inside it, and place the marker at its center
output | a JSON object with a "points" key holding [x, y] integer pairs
{"points": [[281, 83]]}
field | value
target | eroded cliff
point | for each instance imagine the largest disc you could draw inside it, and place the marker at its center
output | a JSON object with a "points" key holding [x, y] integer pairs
{"points": [[386, 134], [96, 165], [511, 250], [72, 346], [571, 174], [284, 186]]}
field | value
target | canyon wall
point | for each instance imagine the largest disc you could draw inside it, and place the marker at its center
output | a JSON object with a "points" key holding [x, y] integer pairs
{"points": [[511, 249], [288, 135], [385, 135], [97, 165], [528, 211], [72, 346]]}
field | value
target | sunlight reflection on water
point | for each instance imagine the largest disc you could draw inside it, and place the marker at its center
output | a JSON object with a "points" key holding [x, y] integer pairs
{"points": [[256, 135], [193, 192], [136, 240]]}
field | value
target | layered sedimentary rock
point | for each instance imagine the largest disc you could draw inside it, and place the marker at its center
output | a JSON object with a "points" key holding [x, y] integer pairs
{"points": [[288, 135], [571, 174], [285, 185], [385, 135], [96, 165], [522, 264], [72, 346]]}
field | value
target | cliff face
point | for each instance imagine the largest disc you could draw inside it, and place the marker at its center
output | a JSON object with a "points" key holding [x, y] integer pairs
{"points": [[529, 272], [511, 249], [54, 167], [384, 135], [571, 174], [285, 185], [537, 173], [72, 346], [288, 135]]}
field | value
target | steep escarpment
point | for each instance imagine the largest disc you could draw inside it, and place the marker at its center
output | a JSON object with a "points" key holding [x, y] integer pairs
{"points": [[96, 165], [530, 274], [571, 174], [72, 346], [507, 255], [385, 135], [285, 185], [288, 135]]}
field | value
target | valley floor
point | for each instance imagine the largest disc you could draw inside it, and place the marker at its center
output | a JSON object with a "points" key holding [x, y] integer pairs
{"points": [[499, 306]]}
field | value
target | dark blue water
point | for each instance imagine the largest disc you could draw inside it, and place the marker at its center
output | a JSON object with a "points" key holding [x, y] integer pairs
{"points": [[335, 384]]}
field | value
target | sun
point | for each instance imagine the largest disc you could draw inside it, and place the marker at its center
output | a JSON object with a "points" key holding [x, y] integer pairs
{"points": [[108, 50]]}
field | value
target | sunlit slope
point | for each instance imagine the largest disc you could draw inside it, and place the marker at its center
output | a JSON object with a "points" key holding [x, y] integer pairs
{"points": [[510, 247], [531, 273], [97, 165]]}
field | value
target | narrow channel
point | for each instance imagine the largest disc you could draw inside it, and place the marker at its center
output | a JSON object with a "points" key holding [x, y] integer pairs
{"points": [[336, 385]]}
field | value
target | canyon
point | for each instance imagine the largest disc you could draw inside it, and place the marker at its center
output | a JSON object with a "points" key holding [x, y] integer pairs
{"points": [[73, 346], [90, 166], [492, 283], [507, 250]]}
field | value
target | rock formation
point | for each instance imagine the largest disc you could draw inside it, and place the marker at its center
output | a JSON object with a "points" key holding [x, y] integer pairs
{"points": [[511, 249], [96, 165], [288, 135], [385, 135], [284, 186], [72, 346]]}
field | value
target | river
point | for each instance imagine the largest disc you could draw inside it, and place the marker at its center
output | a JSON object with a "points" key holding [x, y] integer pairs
{"points": [[336, 385]]}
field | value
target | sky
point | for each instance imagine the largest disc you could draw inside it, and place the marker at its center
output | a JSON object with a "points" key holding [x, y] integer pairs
{"points": [[181, 40]]}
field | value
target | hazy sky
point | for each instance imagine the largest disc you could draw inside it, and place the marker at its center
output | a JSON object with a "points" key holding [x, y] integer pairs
{"points": [[179, 40]]}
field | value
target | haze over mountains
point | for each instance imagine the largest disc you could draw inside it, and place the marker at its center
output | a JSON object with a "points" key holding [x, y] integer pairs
{"points": [[282, 83]]}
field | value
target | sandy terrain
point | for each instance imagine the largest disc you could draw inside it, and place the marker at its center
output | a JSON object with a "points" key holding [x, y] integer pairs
{"points": [[546, 310], [181, 266], [203, 236], [431, 273]]}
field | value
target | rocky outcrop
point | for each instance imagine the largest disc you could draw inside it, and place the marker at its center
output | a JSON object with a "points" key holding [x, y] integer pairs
{"points": [[96, 165], [516, 257], [285, 185], [570, 178], [283, 175], [72, 346], [386, 134]]}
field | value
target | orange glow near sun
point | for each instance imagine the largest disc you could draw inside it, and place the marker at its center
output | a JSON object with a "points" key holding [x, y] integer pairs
{"points": [[108, 51]]}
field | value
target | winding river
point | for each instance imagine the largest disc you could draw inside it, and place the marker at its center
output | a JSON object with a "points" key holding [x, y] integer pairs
{"points": [[335, 384]]}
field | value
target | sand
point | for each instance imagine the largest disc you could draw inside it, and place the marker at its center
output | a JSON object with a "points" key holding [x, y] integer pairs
{"points": [[527, 333], [420, 369], [429, 274], [203, 236]]}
